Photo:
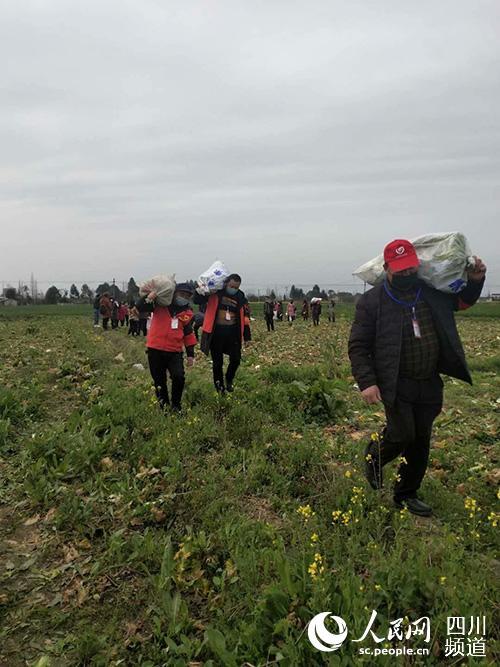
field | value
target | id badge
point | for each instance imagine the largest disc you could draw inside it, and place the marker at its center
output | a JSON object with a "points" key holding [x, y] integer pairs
{"points": [[416, 328], [175, 323], [228, 315]]}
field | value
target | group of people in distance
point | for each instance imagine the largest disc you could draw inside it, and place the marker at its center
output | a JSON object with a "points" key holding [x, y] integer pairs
{"points": [[403, 336], [225, 326], [273, 310], [119, 314]]}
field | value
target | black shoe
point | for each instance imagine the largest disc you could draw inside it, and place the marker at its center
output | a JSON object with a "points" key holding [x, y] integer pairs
{"points": [[414, 505], [229, 386], [373, 470], [220, 388]]}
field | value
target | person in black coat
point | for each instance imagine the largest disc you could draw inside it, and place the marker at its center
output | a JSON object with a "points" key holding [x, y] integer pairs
{"points": [[403, 336]]}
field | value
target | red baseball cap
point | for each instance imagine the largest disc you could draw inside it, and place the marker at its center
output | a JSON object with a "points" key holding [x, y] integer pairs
{"points": [[400, 255]]}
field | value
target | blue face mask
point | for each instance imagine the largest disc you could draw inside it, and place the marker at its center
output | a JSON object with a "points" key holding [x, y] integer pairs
{"points": [[180, 301], [231, 290]]}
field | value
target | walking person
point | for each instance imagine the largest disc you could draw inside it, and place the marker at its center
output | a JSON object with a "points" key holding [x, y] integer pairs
{"points": [[305, 310], [331, 310], [224, 330], [105, 309], [403, 336], [169, 334], [291, 312], [269, 312], [316, 311], [133, 327], [115, 307], [142, 326], [122, 314], [95, 306]]}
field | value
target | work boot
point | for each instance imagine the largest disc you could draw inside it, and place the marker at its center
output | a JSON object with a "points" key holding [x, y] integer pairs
{"points": [[414, 505]]}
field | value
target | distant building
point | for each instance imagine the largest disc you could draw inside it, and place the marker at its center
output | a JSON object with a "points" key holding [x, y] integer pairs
{"points": [[7, 302], [495, 297]]}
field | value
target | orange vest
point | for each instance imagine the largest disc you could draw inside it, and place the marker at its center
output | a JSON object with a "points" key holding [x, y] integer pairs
{"points": [[211, 314], [161, 335]]}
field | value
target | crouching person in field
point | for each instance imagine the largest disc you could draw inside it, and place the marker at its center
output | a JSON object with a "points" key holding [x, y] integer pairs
{"points": [[225, 326], [404, 334], [170, 332]]}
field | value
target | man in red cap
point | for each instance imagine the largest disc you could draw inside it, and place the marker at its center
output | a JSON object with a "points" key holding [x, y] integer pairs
{"points": [[404, 334]]}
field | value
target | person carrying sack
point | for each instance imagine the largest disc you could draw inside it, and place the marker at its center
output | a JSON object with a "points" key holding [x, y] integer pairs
{"points": [[224, 329], [170, 333], [403, 336]]}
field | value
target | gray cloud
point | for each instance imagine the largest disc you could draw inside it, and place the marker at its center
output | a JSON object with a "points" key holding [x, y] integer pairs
{"points": [[290, 139]]}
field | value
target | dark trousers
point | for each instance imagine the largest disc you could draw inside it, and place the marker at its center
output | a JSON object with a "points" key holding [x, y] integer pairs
{"points": [[408, 432], [143, 327], [114, 323], [105, 321], [315, 320], [133, 328], [270, 322], [159, 363], [225, 340]]}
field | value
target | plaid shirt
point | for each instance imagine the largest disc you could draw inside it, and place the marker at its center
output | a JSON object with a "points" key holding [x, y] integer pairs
{"points": [[419, 356]]}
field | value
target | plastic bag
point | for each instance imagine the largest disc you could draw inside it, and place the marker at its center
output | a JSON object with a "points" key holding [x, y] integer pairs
{"points": [[164, 286], [444, 259], [212, 280]]}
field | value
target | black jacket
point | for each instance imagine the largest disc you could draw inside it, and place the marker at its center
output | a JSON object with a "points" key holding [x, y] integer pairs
{"points": [[376, 336]]}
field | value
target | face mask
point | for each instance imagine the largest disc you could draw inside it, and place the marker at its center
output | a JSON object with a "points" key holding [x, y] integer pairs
{"points": [[231, 290], [404, 282], [180, 301]]}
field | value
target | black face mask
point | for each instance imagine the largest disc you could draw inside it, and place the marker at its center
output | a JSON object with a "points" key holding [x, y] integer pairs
{"points": [[404, 282]]}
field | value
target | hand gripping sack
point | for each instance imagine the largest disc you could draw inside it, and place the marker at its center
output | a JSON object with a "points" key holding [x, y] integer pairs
{"points": [[212, 280], [444, 259], [164, 286]]}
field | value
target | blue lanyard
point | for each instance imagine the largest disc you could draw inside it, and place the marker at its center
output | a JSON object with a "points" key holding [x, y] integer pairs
{"points": [[410, 304]]}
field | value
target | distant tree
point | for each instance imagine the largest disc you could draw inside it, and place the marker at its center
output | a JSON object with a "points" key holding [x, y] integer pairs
{"points": [[132, 291], [52, 295], [24, 294], [73, 292], [314, 292], [10, 293], [86, 293], [345, 297], [296, 292], [103, 287], [273, 295]]}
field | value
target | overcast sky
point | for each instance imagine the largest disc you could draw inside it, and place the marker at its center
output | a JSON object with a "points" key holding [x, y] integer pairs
{"points": [[290, 139]]}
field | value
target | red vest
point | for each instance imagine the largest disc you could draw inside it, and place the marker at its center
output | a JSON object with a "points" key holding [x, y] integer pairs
{"points": [[161, 335], [211, 314]]}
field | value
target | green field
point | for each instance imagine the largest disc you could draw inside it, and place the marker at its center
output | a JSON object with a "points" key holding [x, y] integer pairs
{"points": [[128, 537]]}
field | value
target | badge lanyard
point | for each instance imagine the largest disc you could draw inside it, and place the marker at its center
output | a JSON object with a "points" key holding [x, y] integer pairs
{"points": [[411, 305]]}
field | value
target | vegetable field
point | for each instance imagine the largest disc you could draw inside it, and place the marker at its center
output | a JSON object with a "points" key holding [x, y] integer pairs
{"points": [[130, 537]]}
